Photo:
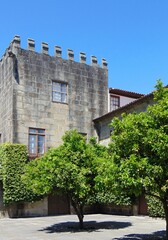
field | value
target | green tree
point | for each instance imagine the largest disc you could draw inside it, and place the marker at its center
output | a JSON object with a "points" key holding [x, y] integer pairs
{"points": [[139, 152], [68, 169]]}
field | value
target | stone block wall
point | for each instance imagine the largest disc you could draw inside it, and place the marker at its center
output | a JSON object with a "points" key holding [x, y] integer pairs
{"points": [[6, 99], [26, 79], [102, 124], [39, 208], [31, 78], [33, 103], [116, 209]]}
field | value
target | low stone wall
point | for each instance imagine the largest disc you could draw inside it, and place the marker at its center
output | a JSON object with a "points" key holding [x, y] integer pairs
{"points": [[109, 209], [39, 208], [115, 209], [8, 211]]}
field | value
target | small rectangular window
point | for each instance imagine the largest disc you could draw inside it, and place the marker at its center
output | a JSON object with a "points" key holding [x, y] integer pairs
{"points": [[36, 141], [114, 102], [59, 92]]}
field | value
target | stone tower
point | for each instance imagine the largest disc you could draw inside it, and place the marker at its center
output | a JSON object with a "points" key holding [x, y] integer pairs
{"points": [[42, 96]]}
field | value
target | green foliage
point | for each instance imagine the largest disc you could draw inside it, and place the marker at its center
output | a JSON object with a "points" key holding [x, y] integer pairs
{"points": [[68, 169], [139, 146], [139, 150], [155, 207], [13, 158], [109, 185]]}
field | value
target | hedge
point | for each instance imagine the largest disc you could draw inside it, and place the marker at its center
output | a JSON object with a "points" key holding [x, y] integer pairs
{"points": [[155, 207], [13, 158]]}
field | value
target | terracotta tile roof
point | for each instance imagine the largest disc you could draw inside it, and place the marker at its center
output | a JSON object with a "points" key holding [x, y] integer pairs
{"points": [[125, 93]]}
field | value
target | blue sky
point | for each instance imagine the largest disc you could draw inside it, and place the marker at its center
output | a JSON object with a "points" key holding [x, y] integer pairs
{"points": [[132, 35]]}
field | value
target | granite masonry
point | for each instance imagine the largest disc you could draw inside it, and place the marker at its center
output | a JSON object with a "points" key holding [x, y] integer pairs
{"points": [[42, 96], [28, 82]]}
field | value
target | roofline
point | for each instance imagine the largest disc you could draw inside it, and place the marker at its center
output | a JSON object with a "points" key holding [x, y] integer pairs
{"points": [[125, 107], [125, 93]]}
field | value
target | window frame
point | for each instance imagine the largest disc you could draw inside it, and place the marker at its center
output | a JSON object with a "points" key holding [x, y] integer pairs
{"points": [[60, 92], [115, 106], [36, 134]]}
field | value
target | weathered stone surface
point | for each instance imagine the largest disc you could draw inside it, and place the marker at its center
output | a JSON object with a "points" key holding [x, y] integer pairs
{"points": [[26, 95], [26, 99]]}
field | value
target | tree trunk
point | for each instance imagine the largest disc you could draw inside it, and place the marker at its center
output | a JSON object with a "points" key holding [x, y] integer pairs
{"points": [[80, 217], [79, 212], [165, 205]]}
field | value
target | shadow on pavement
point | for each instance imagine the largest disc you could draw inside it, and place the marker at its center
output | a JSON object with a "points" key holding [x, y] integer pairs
{"points": [[89, 226], [160, 235]]}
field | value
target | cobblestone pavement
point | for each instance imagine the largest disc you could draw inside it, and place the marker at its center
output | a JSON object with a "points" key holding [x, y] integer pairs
{"points": [[97, 226]]}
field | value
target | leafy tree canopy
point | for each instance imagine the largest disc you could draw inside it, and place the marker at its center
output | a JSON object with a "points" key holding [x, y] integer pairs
{"points": [[139, 152], [140, 147], [68, 169]]}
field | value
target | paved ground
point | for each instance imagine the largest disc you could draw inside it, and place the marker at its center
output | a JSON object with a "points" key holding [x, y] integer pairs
{"points": [[97, 227]]}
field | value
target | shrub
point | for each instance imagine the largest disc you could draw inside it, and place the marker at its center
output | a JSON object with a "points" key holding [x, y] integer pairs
{"points": [[155, 207], [13, 158]]}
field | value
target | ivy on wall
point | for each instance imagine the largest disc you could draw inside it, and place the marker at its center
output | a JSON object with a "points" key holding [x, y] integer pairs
{"points": [[13, 158]]}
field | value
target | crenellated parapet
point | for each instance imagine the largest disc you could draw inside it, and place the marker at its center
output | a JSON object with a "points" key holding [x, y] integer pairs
{"points": [[82, 57], [31, 44], [58, 51], [70, 55], [16, 43]]}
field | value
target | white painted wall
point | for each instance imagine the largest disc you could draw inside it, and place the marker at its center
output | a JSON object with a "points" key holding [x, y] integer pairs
{"points": [[123, 100]]}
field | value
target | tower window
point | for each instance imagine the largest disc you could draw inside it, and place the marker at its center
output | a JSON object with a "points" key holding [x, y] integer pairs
{"points": [[36, 141], [59, 92]]}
